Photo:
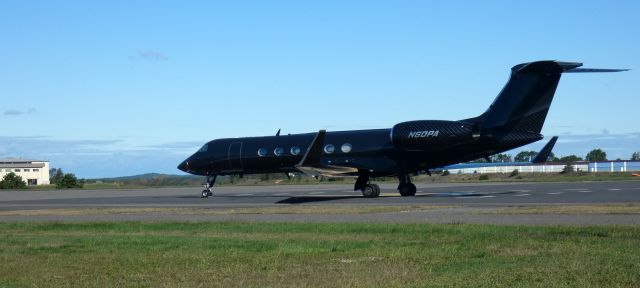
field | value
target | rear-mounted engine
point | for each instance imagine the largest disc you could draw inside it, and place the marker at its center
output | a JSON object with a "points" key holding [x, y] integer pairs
{"points": [[430, 135]]}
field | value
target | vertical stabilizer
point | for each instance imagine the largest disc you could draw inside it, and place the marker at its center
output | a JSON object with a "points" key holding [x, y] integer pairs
{"points": [[522, 105]]}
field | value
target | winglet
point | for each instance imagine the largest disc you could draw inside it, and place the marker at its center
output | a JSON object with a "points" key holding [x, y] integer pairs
{"points": [[314, 151], [546, 151]]}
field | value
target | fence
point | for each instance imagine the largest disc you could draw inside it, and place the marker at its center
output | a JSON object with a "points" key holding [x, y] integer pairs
{"points": [[614, 166], [549, 167]]}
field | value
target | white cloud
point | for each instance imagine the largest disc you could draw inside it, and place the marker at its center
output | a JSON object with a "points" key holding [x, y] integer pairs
{"points": [[14, 112], [151, 55]]}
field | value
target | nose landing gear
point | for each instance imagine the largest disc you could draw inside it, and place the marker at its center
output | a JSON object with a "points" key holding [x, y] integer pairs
{"points": [[208, 187]]}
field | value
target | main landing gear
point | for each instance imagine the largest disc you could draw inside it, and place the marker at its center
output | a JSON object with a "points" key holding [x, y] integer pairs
{"points": [[406, 188], [208, 187], [369, 190]]}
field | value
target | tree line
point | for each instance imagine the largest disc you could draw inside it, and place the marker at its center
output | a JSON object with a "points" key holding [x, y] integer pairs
{"points": [[594, 155]]}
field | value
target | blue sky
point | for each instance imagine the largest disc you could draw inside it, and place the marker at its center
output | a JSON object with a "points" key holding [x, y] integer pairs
{"points": [[113, 88]]}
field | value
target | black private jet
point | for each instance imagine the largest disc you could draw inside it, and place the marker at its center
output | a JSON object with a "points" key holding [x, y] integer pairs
{"points": [[514, 119]]}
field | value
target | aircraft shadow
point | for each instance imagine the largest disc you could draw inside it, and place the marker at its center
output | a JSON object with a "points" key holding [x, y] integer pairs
{"points": [[311, 199]]}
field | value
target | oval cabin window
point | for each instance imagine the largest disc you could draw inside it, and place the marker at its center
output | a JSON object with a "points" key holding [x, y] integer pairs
{"points": [[346, 148], [262, 152], [329, 148], [295, 150]]}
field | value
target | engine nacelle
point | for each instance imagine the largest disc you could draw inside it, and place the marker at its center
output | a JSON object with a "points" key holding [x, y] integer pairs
{"points": [[430, 135]]}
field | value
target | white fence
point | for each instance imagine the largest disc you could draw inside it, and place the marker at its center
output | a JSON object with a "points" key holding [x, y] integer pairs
{"points": [[614, 166], [533, 168]]}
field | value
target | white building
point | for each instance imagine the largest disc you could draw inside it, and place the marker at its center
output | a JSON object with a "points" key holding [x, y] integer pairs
{"points": [[33, 172], [547, 167]]}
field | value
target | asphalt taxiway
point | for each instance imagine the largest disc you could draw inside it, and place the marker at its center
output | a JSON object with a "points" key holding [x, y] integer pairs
{"points": [[461, 203]]}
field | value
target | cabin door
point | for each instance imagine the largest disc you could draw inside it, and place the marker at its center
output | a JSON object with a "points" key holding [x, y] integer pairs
{"points": [[235, 156]]}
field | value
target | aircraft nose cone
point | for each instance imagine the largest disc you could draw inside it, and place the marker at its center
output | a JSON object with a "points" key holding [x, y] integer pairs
{"points": [[184, 166]]}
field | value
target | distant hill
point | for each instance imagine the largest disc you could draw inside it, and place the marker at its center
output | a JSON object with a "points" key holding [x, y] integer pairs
{"points": [[153, 179]]}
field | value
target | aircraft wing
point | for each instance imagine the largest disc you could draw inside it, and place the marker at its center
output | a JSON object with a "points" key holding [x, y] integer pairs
{"points": [[311, 165], [546, 151]]}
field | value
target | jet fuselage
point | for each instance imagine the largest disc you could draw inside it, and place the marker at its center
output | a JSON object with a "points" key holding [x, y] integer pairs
{"points": [[406, 148]]}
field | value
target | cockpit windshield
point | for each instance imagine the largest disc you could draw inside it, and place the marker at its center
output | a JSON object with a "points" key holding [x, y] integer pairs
{"points": [[204, 148]]}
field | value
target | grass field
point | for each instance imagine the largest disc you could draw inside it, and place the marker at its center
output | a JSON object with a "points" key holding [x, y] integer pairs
{"points": [[316, 255]]}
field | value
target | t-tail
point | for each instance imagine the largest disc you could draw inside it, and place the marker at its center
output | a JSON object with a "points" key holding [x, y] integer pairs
{"points": [[519, 111]]}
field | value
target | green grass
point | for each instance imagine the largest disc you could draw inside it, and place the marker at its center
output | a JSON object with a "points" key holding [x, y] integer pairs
{"points": [[316, 255]]}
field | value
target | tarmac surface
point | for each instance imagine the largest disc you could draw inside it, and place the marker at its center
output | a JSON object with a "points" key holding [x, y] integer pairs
{"points": [[460, 203]]}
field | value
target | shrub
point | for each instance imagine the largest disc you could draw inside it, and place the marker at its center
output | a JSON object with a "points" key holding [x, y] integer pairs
{"points": [[567, 169], [484, 177], [445, 173], [69, 181], [12, 181], [55, 175], [514, 173]]}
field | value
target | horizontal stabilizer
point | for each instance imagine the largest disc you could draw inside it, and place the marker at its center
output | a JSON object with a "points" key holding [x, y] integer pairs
{"points": [[546, 151], [587, 70], [557, 66], [572, 67]]}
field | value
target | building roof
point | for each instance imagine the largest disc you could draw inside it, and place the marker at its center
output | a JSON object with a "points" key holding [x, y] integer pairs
{"points": [[22, 165], [19, 160]]}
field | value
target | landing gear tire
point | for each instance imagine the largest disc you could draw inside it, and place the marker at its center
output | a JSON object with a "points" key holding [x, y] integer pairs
{"points": [[407, 189], [377, 188], [208, 187], [371, 191]]}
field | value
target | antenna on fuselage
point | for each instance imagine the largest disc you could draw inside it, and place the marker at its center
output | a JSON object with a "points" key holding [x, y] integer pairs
{"points": [[278, 133]]}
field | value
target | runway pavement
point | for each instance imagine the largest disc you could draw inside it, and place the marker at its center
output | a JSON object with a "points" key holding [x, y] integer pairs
{"points": [[461, 203]]}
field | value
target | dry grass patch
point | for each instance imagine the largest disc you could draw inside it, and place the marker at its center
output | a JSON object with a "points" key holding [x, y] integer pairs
{"points": [[289, 209], [622, 209]]}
